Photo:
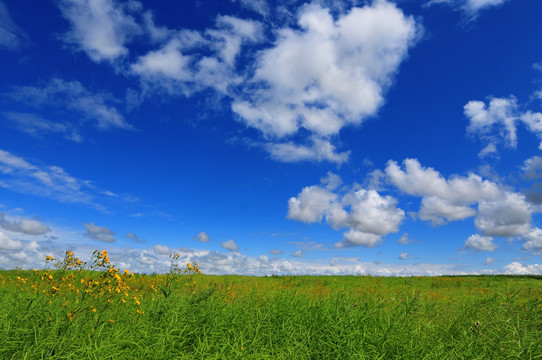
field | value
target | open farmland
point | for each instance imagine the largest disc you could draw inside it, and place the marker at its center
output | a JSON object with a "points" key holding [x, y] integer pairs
{"points": [[71, 310]]}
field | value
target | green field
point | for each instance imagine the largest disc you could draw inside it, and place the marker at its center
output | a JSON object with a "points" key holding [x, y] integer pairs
{"points": [[76, 311]]}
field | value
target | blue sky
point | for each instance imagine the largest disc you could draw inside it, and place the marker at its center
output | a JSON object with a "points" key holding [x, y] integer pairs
{"points": [[290, 137]]}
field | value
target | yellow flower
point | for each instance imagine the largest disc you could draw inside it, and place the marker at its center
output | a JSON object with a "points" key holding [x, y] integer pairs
{"points": [[48, 258], [93, 310], [70, 254], [111, 321]]}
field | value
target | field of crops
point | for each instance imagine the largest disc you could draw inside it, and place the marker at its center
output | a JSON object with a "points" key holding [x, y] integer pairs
{"points": [[73, 310]]}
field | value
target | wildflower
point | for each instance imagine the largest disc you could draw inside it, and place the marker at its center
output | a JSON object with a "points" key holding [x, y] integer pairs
{"points": [[70, 254], [111, 321], [49, 258], [93, 310]]}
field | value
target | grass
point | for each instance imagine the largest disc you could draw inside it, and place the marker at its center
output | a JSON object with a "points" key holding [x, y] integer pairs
{"points": [[89, 313]]}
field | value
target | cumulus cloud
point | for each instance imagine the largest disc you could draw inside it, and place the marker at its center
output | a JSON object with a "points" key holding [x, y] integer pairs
{"points": [[12, 37], [533, 239], [404, 256], [60, 95], [480, 243], [8, 244], [500, 212], [100, 28], [497, 122], [229, 245], [442, 199], [367, 215], [532, 168], [326, 74], [517, 268], [202, 237], [99, 233], [330, 72], [24, 226], [508, 216]]}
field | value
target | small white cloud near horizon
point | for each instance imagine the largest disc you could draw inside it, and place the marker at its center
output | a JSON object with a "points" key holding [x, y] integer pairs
{"points": [[162, 249], [202, 237], [229, 245], [489, 261], [8, 244], [404, 256], [24, 226], [99, 233]]}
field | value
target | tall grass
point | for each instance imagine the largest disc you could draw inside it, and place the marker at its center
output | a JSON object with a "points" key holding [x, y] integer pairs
{"points": [[186, 315]]}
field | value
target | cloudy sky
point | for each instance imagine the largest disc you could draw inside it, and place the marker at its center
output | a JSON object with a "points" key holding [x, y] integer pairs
{"points": [[253, 137]]}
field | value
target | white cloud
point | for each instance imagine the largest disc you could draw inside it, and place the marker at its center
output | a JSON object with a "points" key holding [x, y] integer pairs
{"points": [[25, 226], [469, 7], [8, 244], [320, 150], [404, 256], [367, 215], [276, 252], [99, 233], [480, 243], [12, 37], [38, 127], [533, 239], [404, 239], [489, 261], [443, 200], [229, 245], [31, 254], [508, 216], [500, 212], [61, 95], [331, 181], [489, 150], [298, 254], [439, 210], [202, 237], [328, 74], [100, 28], [498, 120], [162, 249], [259, 6], [193, 61], [516, 268], [135, 238], [44, 181], [311, 204]]}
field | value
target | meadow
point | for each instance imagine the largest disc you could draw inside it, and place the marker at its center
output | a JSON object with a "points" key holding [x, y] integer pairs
{"points": [[76, 310]]}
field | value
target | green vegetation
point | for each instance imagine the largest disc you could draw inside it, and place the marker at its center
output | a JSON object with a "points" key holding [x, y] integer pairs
{"points": [[98, 312]]}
